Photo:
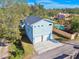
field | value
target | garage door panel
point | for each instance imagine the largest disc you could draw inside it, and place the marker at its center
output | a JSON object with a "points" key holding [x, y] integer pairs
{"points": [[45, 37], [37, 39]]}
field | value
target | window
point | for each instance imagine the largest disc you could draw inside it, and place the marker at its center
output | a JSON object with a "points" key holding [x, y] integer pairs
{"points": [[34, 26], [50, 24], [38, 26], [41, 25]]}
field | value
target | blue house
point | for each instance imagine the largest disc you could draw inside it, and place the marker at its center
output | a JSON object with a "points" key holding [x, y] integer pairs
{"points": [[38, 29]]}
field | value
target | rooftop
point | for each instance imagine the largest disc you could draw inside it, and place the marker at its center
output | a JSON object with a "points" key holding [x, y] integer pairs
{"points": [[32, 19]]}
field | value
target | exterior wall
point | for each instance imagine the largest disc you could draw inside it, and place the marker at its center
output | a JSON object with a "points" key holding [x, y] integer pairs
{"points": [[37, 39], [51, 36], [42, 28], [29, 32]]}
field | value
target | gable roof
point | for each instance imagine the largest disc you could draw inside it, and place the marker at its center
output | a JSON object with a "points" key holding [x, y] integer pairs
{"points": [[48, 20], [32, 19]]}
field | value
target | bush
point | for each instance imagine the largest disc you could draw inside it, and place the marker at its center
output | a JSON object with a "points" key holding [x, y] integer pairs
{"points": [[16, 50], [75, 24]]}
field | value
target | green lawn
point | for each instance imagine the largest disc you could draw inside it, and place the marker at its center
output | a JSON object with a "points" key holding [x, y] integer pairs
{"points": [[60, 38], [28, 48], [77, 38], [27, 45]]}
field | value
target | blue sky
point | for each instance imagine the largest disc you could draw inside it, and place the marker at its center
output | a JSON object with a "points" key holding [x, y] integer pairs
{"points": [[50, 4]]}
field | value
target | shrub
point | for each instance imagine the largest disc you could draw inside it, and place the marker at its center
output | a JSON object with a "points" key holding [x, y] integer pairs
{"points": [[16, 50], [75, 24]]}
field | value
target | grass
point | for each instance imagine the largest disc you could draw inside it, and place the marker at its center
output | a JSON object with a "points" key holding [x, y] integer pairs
{"points": [[77, 38], [27, 46], [60, 38]]}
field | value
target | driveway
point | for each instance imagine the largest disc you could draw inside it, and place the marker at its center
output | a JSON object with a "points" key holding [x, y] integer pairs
{"points": [[51, 54], [42, 47]]}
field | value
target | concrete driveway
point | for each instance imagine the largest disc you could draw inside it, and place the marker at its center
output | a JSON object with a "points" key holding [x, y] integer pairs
{"points": [[53, 53], [42, 47]]}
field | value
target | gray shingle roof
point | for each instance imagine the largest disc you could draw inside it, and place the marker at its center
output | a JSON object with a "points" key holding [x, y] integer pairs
{"points": [[32, 19]]}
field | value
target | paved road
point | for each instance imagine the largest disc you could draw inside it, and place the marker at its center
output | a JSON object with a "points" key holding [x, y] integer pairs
{"points": [[66, 49]]}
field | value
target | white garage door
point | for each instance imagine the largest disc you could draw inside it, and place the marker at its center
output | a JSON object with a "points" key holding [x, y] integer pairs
{"points": [[45, 37], [37, 39]]}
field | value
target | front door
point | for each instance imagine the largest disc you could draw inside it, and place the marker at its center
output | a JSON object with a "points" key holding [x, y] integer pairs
{"points": [[42, 38], [45, 37], [37, 39]]}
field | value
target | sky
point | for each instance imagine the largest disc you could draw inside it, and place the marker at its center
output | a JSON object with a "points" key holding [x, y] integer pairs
{"points": [[50, 4]]}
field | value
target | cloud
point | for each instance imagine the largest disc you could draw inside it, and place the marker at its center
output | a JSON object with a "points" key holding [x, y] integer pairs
{"points": [[40, 1], [57, 5], [45, 1], [53, 4], [30, 3]]}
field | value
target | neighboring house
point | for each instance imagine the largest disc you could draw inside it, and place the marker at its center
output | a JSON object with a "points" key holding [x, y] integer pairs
{"points": [[59, 16], [65, 16], [38, 29]]}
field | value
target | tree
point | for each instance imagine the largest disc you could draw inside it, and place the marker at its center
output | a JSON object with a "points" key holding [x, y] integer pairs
{"points": [[10, 20], [38, 10], [10, 3], [75, 24]]}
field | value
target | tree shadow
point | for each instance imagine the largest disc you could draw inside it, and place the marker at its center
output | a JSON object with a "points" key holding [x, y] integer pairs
{"points": [[77, 56], [26, 39], [63, 56], [69, 43]]}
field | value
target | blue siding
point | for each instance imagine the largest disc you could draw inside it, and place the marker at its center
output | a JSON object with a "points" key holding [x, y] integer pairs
{"points": [[29, 32]]}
